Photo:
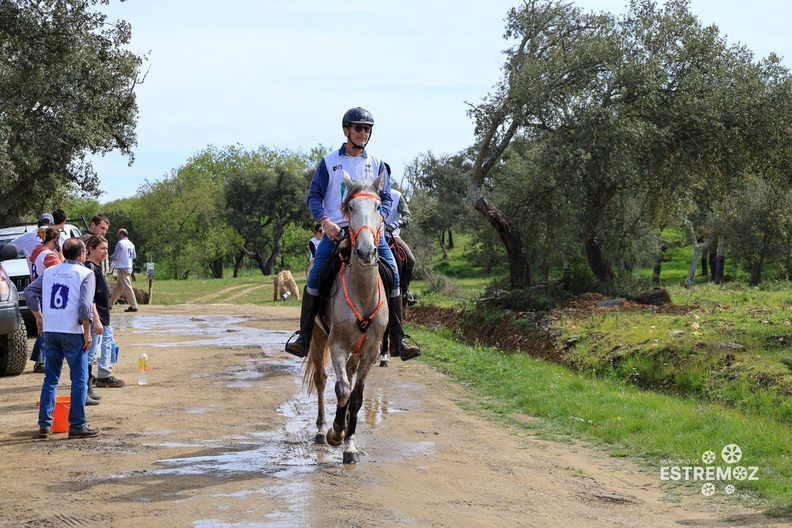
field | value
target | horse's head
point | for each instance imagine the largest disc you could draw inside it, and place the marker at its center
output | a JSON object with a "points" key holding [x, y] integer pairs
{"points": [[362, 207]]}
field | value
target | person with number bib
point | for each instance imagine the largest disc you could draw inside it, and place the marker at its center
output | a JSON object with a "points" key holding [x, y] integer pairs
{"points": [[64, 318], [42, 257]]}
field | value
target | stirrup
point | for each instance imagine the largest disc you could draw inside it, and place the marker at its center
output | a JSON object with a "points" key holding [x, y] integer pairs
{"points": [[402, 354], [293, 351], [410, 300]]}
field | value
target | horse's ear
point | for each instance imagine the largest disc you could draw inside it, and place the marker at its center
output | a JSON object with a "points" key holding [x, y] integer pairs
{"points": [[379, 183], [347, 180]]}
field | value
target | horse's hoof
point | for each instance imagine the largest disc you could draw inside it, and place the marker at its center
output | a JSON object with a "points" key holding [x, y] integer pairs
{"points": [[384, 363], [320, 439], [334, 440], [351, 458]]}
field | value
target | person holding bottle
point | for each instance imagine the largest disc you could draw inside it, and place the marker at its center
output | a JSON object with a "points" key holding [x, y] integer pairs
{"points": [[97, 252]]}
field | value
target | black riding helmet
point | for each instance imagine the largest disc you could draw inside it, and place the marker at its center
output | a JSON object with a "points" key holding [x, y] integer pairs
{"points": [[357, 115]]}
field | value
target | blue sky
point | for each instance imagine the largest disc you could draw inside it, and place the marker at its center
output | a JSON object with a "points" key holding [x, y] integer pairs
{"points": [[281, 74]]}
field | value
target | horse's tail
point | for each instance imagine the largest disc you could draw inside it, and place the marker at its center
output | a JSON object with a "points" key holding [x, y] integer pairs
{"points": [[314, 365]]}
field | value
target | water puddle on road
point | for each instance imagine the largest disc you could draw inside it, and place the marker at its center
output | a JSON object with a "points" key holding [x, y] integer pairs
{"points": [[223, 330], [285, 453]]}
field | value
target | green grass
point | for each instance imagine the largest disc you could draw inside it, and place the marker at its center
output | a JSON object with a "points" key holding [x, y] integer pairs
{"points": [[660, 430]]}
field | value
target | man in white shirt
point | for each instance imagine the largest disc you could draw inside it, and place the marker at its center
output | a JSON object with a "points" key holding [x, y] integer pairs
{"points": [[64, 318], [122, 259]]}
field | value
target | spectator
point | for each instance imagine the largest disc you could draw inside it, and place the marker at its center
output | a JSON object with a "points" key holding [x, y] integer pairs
{"points": [[97, 253], [27, 242], [314, 242], [98, 226], [122, 259], [43, 256], [64, 319], [58, 221]]}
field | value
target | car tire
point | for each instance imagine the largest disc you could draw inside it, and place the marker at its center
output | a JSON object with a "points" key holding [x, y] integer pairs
{"points": [[14, 351]]}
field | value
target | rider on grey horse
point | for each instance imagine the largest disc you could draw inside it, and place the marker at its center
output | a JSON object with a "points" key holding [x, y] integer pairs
{"points": [[325, 196]]}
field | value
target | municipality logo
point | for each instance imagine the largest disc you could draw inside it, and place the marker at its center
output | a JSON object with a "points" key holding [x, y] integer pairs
{"points": [[713, 475]]}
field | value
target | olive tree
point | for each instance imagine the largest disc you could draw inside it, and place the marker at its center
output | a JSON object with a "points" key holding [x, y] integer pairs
{"points": [[636, 107], [67, 89]]}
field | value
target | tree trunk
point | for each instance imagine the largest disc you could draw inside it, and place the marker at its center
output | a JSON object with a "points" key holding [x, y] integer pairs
{"points": [[720, 260], [519, 271], [238, 263], [217, 268], [276, 238], [659, 262], [450, 240], [597, 263], [698, 249]]}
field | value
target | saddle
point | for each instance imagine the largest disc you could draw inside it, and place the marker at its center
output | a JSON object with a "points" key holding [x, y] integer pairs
{"points": [[332, 266], [328, 286]]}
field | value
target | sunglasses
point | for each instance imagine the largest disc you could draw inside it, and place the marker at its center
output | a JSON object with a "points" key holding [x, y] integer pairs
{"points": [[362, 128]]}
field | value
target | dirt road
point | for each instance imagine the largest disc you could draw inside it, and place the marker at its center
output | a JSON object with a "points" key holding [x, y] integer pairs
{"points": [[222, 437]]}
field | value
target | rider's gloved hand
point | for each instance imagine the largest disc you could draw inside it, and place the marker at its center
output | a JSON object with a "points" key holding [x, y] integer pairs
{"points": [[393, 226]]}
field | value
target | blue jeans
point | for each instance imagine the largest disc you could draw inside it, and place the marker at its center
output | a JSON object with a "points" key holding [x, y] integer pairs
{"points": [[94, 346], [39, 354], [60, 346], [325, 250], [104, 360]]}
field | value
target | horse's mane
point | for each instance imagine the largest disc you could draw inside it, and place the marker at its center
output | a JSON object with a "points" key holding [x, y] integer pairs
{"points": [[356, 187]]}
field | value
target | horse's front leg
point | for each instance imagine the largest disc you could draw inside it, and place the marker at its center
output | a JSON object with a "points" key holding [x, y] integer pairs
{"points": [[320, 381], [384, 352], [355, 403], [336, 434]]}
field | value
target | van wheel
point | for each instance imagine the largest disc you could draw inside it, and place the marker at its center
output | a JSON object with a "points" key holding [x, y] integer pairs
{"points": [[14, 351]]}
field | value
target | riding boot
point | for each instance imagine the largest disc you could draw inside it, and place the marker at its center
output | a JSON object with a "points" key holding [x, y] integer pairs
{"points": [[91, 394], [397, 336], [308, 311]]}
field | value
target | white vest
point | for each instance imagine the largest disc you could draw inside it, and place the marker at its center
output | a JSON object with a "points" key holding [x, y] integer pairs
{"points": [[125, 254], [394, 214], [358, 168], [37, 267], [60, 299]]}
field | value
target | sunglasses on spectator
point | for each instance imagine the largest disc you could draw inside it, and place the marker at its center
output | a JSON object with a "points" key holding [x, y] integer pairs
{"points": [[362, 128]]}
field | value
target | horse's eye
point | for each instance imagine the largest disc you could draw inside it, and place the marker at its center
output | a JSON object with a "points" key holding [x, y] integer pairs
{"points": [[351, 208]]}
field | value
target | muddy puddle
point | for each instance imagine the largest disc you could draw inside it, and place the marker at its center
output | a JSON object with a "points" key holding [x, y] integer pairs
{"points": [[205, 330], [281, 459]]}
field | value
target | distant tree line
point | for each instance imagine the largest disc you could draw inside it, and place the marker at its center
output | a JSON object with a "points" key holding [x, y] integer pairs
{"points": [[602, 132]]}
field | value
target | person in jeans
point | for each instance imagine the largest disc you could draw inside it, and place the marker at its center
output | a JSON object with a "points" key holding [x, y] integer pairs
{"points": [[122, 259], [43, 256], [64, 318], [97, 252]]}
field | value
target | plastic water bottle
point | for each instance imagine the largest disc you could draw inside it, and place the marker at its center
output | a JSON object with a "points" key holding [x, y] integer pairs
{"points": [[143, 369]]}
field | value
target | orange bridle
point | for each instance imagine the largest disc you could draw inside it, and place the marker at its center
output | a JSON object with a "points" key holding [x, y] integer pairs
{"points": [[363, 322]]}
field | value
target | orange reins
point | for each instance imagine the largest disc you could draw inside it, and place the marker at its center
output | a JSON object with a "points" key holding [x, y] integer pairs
{"points": [[363, 322]]}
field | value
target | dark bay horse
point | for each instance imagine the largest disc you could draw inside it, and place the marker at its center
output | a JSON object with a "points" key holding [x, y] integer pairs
{"points": [[356, 318]]}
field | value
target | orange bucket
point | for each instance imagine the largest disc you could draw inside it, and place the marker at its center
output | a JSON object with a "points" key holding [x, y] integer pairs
{"points": [[60, 415]]}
